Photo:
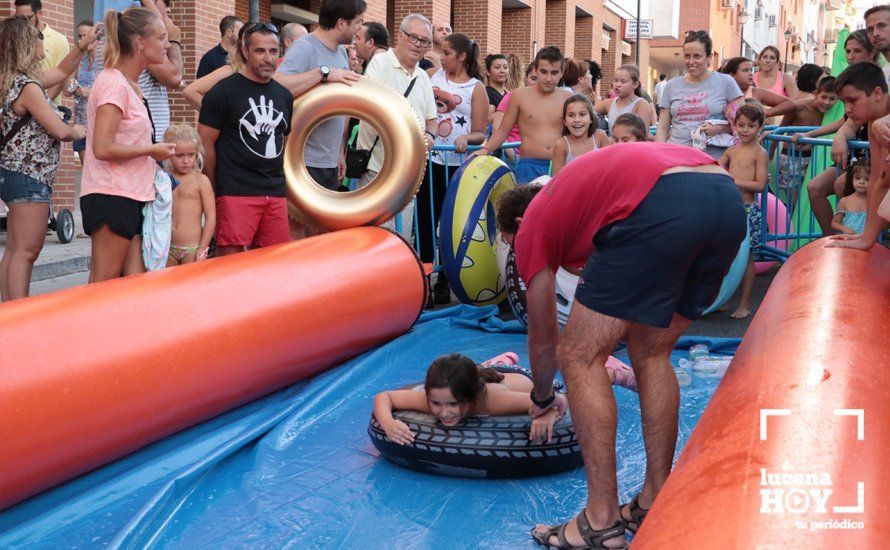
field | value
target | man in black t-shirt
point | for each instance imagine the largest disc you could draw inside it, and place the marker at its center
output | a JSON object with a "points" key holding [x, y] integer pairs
{"points": [[218, 56], [243, 125]]}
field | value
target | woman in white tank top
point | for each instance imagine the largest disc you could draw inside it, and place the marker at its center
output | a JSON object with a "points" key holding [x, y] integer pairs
{"points": [[461, 117]]}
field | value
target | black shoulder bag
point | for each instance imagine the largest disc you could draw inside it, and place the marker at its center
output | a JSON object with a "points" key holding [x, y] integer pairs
{"points": [[20, 123], [357, 159]]}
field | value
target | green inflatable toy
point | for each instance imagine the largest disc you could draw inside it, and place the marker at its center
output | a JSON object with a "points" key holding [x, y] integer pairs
{"points": [[802, 219]]}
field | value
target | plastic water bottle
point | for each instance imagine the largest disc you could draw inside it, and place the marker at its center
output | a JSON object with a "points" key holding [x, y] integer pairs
{"points": [[697, 351], [683, 377], [682, 373], [711, 367]]}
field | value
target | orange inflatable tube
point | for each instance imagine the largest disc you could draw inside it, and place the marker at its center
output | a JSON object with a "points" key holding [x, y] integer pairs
{"points": [[792, 450], [93, 373]]}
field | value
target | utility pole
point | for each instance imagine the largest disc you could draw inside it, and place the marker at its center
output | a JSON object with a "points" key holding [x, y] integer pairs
{"points": [[638, 34]]}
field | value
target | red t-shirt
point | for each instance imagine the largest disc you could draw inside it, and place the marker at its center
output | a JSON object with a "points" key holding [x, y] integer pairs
{"points": [[600, 188]]}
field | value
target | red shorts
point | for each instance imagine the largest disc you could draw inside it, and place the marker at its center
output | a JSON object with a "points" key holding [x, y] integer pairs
{"points": [[251, 221]]}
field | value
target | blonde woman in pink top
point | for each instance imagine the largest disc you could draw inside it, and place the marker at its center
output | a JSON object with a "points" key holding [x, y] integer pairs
{"points": [[120, 163]]}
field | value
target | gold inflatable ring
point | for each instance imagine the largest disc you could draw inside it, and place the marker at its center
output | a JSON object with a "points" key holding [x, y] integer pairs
{"points": [[400, 136]]}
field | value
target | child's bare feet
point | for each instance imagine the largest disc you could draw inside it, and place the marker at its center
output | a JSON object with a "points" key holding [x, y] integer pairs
{"points": [[740, 313]]}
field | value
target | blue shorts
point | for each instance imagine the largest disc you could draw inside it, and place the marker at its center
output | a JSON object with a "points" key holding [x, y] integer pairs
{"points": [[670, 255], [755, 225], [529, 169], [16, 188], [79, 145]]}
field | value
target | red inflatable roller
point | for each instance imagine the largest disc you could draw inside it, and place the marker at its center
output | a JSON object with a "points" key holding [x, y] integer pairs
{"points": [[93, 373], [792, 450]]}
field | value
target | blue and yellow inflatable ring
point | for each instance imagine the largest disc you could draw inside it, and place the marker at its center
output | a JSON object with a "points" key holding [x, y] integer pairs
{"points": [[467, 230]]}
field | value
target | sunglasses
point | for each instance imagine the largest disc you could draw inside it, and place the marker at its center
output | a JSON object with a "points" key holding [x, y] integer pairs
{"points": [[260, 26]]}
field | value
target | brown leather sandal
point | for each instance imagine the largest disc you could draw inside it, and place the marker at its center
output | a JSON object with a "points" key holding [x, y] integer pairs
{"points": [[637, 515], [593, 538]]}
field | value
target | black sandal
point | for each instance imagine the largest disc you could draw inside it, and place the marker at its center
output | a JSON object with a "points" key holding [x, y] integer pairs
{"points": [[592, 538], [637, 515]]}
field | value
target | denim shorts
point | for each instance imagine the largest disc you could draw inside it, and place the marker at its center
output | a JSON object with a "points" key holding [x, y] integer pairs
{"points": [[16, 188], [79, 145]]}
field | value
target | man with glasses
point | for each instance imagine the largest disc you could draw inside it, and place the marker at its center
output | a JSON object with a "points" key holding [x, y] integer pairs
{"points": [[243, 125], [397, 68], [324, 48], [432, 59], [55, 45]]}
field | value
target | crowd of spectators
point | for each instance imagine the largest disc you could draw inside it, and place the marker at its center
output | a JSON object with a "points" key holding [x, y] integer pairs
{"points": [[244, 87]]}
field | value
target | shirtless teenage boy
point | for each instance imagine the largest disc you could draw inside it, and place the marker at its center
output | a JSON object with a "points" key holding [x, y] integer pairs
{"points": [[538, 110], [863, 89]]}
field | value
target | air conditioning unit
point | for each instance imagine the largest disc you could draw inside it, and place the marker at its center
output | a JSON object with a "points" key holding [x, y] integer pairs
{"points": [[727, 4], [771, 21]]}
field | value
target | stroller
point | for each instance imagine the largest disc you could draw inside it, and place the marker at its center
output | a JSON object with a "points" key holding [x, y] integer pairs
{"points": [[61, 222]]}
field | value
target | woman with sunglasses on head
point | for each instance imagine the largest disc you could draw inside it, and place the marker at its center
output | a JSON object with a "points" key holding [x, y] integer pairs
{"points": [[32, 129], [690, 100]]}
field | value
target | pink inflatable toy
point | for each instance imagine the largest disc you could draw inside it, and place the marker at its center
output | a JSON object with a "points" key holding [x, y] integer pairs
{"points": [[777, 223]]}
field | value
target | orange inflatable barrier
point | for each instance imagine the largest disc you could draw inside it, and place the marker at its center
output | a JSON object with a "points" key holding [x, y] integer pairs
{"points": [[93, 373], [792, 449]]}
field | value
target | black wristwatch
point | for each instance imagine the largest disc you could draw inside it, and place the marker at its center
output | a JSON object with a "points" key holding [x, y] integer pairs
{"points": [[325, 72], [545, 403]]}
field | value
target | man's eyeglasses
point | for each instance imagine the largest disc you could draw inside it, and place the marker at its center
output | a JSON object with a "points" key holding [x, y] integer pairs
{"points": [[260, 26], [417, 40]]}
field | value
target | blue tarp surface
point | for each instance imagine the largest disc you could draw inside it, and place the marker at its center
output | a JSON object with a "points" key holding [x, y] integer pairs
{"points": [[296, 469]]}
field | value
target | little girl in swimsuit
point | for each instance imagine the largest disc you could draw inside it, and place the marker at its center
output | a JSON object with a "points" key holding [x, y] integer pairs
{"points": [[193, 199], [456, 387], [851, 210], [579, 133]]}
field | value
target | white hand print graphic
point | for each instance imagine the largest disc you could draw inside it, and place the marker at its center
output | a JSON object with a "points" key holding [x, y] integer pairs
{"points": [[260, 123]]}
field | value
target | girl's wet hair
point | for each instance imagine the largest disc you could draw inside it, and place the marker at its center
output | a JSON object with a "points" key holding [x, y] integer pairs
{"points": [[461, 375], [578, 98]]}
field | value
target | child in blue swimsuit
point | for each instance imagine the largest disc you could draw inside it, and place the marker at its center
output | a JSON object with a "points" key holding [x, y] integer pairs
{"points": [[850, 215]]}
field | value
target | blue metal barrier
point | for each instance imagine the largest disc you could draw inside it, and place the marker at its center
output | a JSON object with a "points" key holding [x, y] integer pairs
{"points": [[794, 162], [786, 181]]}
